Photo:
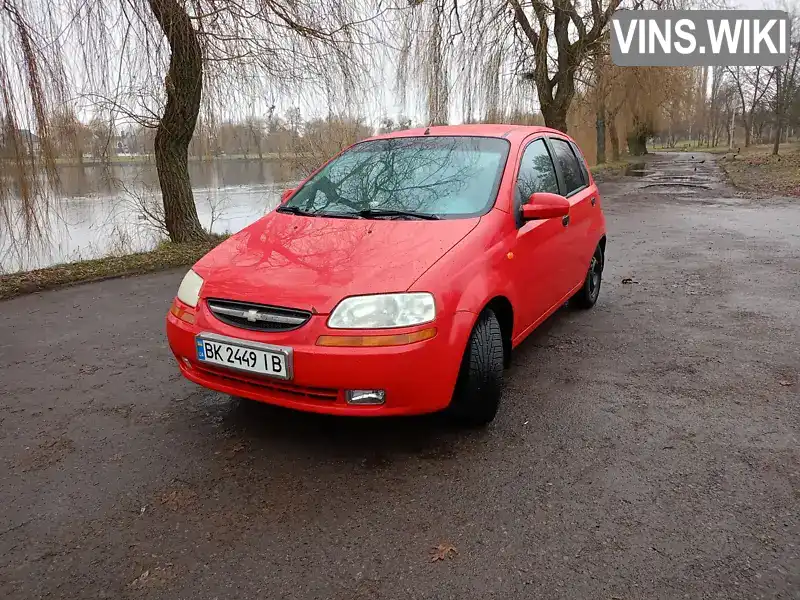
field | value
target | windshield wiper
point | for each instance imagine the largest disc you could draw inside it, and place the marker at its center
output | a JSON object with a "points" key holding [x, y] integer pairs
{"points": [[377, 212], [340, 215], [294, 210]]}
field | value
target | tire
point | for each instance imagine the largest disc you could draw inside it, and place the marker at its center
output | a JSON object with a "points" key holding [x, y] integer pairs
{"points": [[480, 381], [587, 296]]}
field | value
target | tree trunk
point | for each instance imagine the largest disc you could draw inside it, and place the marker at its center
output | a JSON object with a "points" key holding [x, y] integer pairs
{"points": [[184, 85], [748, 131], [601, 133], [778, 113], [637, 144], [612, 133], [637, 137], [777, 142], [555, 116]]}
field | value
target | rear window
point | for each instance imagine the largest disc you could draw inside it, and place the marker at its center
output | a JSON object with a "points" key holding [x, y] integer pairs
{"points": [[446, 176], [571, 170]]}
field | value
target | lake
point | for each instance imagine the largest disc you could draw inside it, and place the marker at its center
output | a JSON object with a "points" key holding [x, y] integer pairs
{"points": [[99, 211]]}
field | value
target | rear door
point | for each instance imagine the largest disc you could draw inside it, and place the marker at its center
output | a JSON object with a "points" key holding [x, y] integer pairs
{"points": [[539, 267], [577, 187]]}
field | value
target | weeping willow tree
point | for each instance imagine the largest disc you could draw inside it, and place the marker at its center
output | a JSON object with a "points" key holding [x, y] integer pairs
{"points": [[158, 63], [488, 53], [632, 101]]}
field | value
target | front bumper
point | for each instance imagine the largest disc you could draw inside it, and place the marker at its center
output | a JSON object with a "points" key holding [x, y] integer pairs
{"points": [[417, 378]]}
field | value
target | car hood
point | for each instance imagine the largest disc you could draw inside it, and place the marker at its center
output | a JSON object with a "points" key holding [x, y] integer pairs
{"points": [[311, 263]]}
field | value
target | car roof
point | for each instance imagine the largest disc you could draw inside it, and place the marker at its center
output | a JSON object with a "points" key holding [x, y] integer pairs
{"points": [[496, 130]]}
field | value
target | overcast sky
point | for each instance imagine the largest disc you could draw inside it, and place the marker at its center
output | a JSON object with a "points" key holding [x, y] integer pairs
{"points": [[379, 97]]}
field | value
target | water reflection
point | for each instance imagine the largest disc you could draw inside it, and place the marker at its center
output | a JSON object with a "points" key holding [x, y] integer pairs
{"points": [[99, 212]]}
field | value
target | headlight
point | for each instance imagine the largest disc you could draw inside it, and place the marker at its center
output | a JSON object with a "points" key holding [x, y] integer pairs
{"points": [[189, 292], [382, 311]]}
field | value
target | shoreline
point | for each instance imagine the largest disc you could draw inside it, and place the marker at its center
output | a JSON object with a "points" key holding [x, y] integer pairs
{"points": [[149, 159], [166, 255]]}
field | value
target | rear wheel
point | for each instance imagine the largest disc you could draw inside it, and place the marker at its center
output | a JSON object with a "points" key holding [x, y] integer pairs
{"points": [[588, 294], [480, 381]]}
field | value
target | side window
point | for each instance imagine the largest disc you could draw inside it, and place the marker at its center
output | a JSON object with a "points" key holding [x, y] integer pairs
{"points": [[573, 177], [582, 162], [536, 171]]}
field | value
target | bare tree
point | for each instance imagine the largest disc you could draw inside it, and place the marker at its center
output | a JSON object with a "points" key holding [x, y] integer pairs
{"points": [[751, 84], [787, 86], [158, 63], [478, 42]]}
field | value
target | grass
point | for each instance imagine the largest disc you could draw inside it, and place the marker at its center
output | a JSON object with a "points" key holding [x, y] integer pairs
{"points": [[165, 256], [755, 169], [615, 168], [690, 146], [704, 149], [611, 168]]}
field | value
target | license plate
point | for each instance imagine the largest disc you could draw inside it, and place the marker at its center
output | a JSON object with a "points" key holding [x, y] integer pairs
{"points": [[253, 357]]}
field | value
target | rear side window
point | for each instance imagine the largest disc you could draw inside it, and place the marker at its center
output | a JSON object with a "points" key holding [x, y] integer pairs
{"points": [[573, 175], [536, 171], [582, 162]]}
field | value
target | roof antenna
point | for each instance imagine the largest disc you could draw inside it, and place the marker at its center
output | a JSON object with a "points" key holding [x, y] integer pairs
{"points": [[428, 129]]}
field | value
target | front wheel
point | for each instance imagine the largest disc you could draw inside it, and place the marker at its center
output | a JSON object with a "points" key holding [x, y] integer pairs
{"points": [[480, 381], [587, 296]]}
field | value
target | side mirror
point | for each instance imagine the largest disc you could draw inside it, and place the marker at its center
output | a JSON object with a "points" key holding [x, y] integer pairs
{"points": [[544, 205], [286, 194]]}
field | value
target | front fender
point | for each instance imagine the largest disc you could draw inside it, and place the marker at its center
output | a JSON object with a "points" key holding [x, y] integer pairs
{"points": [[476, 270]]}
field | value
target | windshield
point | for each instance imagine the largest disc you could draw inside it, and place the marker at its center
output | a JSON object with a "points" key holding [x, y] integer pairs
{"points": [[444, 177]]}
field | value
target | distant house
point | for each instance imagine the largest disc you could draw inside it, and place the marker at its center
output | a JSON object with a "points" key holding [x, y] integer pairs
{"points": [[30, 139], [24, 136], [126, 144]]}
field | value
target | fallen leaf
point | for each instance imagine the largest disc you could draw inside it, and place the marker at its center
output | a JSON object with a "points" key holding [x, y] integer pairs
{"points": [[628, 280], [785, 382], [140, 579], [443, 551], [178, 499]]}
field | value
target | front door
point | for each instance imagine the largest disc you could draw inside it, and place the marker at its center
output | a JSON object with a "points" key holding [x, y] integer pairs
{"points": [[539, 263]]}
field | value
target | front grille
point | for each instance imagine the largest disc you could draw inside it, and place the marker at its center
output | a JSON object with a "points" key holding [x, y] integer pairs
{"points": [[257, 317], [282, 388]]}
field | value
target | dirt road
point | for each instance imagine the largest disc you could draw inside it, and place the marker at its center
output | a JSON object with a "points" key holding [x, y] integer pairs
{"points": [[646, 449]]}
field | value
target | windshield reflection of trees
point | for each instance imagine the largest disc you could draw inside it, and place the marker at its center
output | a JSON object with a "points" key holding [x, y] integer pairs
{"points": [[443, 176]]}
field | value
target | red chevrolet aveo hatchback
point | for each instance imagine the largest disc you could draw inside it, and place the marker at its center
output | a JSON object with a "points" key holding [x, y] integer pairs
{"points": [[398, 278]]}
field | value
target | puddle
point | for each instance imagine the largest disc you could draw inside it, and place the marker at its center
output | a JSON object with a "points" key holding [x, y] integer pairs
{"points": [[636, 169], [681, 184]]}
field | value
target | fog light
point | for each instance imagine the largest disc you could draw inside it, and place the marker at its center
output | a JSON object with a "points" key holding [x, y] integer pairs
{"points": [[365, 396]]}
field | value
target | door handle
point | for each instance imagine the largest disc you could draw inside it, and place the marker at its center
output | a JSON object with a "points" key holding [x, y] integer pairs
{"points": [[594, 200], [565, 220]]}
